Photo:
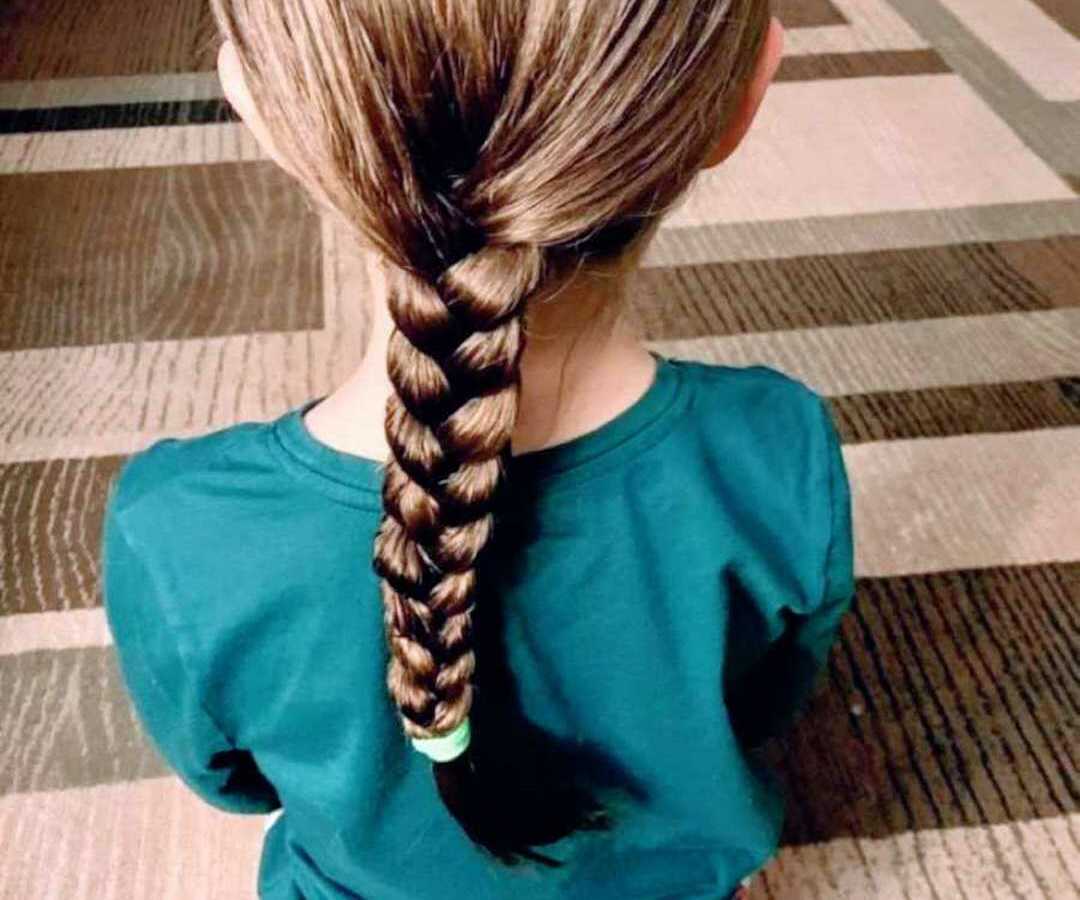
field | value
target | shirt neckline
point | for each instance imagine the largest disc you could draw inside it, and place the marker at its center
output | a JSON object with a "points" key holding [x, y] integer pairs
{"points": [[357, 480]]}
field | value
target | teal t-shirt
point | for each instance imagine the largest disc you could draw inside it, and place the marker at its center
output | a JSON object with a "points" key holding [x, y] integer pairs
{"points": [[668, 587]]}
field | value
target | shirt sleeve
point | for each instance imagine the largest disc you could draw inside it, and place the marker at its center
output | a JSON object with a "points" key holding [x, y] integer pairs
{"points": [[782, 682], [164, 697]]}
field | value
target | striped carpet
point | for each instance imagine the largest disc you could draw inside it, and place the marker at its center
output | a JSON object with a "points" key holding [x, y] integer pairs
{"points": [[901, 232]]}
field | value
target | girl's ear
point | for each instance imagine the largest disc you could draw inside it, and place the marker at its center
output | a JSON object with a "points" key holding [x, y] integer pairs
{"points": [[233, 83], [768, 61]]}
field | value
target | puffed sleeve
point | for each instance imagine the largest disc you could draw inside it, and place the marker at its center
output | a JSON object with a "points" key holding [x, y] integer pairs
{"points": [[783, 680], [164, 697]]}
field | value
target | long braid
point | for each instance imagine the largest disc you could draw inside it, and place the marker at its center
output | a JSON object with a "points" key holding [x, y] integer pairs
{"points": [[453, 362]]}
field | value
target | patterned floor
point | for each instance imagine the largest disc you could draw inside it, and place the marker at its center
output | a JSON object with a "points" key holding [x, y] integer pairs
{"points": [[902, 232]]}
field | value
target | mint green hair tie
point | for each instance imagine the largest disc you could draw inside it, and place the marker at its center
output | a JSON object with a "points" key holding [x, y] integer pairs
{"points": [[445, 747]]}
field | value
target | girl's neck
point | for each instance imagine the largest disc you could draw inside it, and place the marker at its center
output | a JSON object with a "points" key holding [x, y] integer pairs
{"points": [[575, 377]]}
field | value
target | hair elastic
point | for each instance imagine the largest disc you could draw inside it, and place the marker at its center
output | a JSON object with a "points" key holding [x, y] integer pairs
{"points": [[445, 747]]}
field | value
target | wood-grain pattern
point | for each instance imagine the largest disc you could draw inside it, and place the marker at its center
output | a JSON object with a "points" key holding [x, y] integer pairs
{"points": [[952, 699], [807, 13], [814, 67], [958, 409], [70, 38], [849, 289], [97, 739], [146, 254], [50, 533]]}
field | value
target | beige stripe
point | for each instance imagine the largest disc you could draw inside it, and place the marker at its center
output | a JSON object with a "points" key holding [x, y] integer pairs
{"points": [[979, 863], [111, 443], [54, 631], [1049, 128], [865, 145], [119, 148], [1038, 49], [897, 356], [109, 89], [151, 838], [117, 398], [873, 25], [856, 234], [110, 390], [966, 501]]}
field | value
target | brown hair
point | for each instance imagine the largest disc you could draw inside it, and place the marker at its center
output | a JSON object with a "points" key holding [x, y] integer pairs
{"points": [[487, 150]]}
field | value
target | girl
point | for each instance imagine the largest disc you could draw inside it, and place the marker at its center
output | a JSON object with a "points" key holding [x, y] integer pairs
{"points": [[503, 615]]}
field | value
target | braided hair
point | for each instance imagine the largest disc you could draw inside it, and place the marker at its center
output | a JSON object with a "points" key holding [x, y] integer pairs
{"points": [[486, 151], [453, 361]]}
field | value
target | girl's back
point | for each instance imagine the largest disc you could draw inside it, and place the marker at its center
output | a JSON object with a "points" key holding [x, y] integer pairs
{"points": [[664, 589]]}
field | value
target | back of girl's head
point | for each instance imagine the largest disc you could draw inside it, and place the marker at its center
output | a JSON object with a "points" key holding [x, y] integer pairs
{"points": [[488, 150]]}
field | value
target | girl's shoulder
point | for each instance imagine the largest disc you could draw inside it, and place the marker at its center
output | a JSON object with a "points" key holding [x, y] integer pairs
{"points": [[190, 509], [746, 384], [171, 463], [771, 439], [178, 488], [760, 403]]}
